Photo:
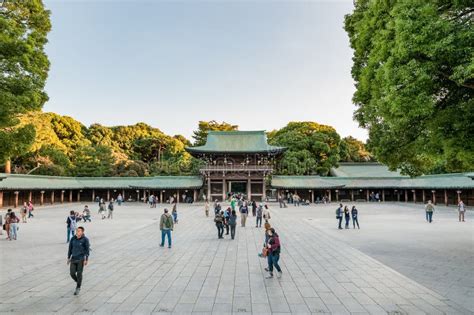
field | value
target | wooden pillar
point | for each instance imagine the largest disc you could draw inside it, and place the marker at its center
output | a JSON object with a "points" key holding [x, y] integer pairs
{"points": [[161, 196], [224, 188], [312, 196], [144, 195], [383, 195], [406, 195], [195, 195], [30, 196], [1, 199], [352, 194], [249, 189], [433, 193], [178, 196], [16, 198], [424, 196], [138, 195], [70, 196], [79, 196], [414, 195], [264, 190], [445, 197], [62, 196], [108, 194], [398, 195], [93, 195], [337, 195], [52, 197], [330, 195], [123, 195], [209, 189], [42, 198], [459, 195], [367, 197]]}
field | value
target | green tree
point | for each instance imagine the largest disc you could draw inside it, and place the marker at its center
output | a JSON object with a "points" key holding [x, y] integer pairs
{"points": [[93, 161], [353, 150], [312, 148], [24, 67], [414, 73], [200, 135]]}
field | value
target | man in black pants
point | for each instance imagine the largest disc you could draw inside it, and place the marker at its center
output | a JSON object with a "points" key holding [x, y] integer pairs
{"points": [[77, 256]]}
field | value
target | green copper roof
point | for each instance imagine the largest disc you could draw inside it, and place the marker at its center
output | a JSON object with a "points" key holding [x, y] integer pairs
{"points": [[236, 142], [36, 182], [363, 170], [443, 181]]}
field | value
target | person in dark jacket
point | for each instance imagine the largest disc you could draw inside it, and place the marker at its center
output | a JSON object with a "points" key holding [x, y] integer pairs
{"points": [[78, 256], [273, 257], [355, 217], [347, 216], [219, 220], [339, 216], [232, 223], [254, 208]]}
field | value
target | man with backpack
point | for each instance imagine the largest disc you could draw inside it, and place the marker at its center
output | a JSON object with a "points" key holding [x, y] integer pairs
{"points": [[339, 212], [166, 226], [71, 223]]}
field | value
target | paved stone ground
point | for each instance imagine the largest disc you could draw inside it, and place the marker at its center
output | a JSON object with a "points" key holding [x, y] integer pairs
{"points": [[325, 270]]}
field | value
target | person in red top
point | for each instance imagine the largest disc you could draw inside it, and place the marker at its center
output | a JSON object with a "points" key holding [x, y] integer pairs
{"points": [[273, 257]]}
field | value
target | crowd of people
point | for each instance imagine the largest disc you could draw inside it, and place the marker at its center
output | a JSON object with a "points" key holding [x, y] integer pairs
{"points": [[343, 211]]}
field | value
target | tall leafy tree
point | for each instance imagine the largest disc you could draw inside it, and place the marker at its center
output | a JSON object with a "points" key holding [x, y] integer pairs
{"points": [[312, 148], [200, 135], [93, 161], [414, 73], [353, 150], [24, 67]]}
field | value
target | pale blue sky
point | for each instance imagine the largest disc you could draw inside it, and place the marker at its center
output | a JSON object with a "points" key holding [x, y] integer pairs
{"points": [[258, 64]]}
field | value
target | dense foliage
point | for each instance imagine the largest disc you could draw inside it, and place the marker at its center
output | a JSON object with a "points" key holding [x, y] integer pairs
{"points": [[23, 71], [414, 73], [200, 135]]}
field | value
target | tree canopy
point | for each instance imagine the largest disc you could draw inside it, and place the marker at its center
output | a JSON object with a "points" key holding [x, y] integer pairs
{"points": [[200, 135], [24, 67], [414, 73]]}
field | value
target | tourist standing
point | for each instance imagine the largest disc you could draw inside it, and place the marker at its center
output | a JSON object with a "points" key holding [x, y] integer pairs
{"points": [[429, 209], [339, 216], [30, 209], [347, 216], [206, 208], [71, 225], [227, 213], [273, 253], [217, 207], [78, 257], [355, 217], [13, 221], [2, 227], [296, 200], [232, 203], [219, 220], [7, 223], [254, 208], [111, 209], [259, 216], [166, 226], [119, 199], [232, 223], [244, 211], [24, 211], [461, 210]]}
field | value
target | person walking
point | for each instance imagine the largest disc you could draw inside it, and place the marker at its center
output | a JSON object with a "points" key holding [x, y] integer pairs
{"points": [[71, 224], [102, 208], [30, 209], [227, 213], [273, 257], [355, 217], [24, 212], [259, 216], [461, 210], [166, 226], [119, 199], [78, 257], [244, 212], [206, 208], [254, 208], [266, 213], [7, 223], [339, 216], [296, 200], [429, 209], [232, 203], [174, 213], [219, 220], [347, 216], [13, 221], [111, 209], [232, 223]]}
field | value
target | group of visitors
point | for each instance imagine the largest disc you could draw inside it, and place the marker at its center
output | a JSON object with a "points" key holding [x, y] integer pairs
{"points": [[343, 211], [10, 225], [430, 208], [27, 211], [106, 211], [271, 250]]}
